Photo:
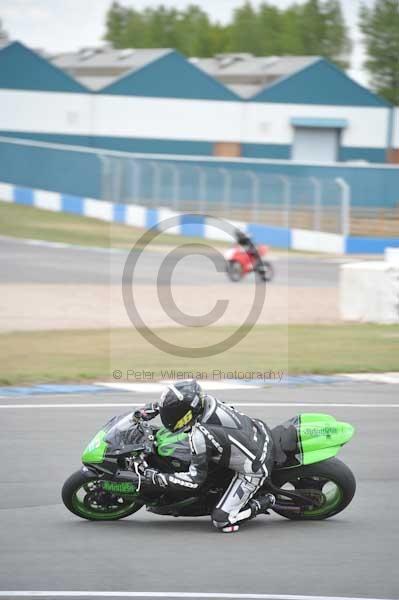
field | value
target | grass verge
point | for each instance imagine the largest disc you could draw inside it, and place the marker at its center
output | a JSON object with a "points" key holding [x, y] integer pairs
{"points": [[38, 224], [88, 355]]}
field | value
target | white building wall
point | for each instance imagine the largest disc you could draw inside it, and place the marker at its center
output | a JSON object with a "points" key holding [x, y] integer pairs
{"points": [[176, 119], [271, 123], [45, 112], [167, 118]]}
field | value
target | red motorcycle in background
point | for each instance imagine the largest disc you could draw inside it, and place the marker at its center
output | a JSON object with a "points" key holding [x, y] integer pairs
{"points": [[241, 261]]}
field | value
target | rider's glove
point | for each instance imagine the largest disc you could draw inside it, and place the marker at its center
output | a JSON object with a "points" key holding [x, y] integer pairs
{"points": [[148, 412], [155, 477]]}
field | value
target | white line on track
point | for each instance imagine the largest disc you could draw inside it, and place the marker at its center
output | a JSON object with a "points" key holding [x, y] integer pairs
{"points": [[83, 594], [251, 404]]}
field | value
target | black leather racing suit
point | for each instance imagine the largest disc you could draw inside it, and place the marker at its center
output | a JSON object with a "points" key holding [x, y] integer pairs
{"points": [[247, 244], [232, 440]]}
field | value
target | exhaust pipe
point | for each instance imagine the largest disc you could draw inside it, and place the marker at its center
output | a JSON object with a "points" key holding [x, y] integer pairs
{"points": [[284, 507]]}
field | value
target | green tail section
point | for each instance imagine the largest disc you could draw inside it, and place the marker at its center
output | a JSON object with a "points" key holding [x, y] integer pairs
{"points": [[320, 437]]}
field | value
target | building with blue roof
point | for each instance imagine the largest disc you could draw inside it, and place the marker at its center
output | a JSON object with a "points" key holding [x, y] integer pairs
{"points": [[155, 100], [170, 75], [302, 115], [23, 69]]}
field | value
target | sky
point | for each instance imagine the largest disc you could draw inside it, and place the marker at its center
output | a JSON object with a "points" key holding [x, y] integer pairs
{"points": [[62, 25]]}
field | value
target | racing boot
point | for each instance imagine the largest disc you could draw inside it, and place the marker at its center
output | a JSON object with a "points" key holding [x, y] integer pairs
{"points": [[254, 508], [261, 504]]}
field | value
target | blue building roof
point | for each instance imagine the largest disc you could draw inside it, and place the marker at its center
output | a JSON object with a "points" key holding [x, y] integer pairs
{"points": [[321, 82], [23, 69], [170, 76]]}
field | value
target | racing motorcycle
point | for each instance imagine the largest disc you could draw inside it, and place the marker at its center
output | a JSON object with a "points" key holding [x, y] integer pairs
{"points": [[309, 482], [239, 263]]}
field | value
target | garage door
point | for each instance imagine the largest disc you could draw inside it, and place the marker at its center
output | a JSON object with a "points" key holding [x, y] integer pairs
{"points": [[315, 144]]}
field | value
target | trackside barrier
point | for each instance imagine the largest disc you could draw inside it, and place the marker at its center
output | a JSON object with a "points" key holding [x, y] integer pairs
{"points": [[369, 291], [204, 227]]}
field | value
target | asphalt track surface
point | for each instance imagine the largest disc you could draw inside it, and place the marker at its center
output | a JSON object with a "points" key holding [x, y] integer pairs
{"points": [[44, 547], [22, 262]]}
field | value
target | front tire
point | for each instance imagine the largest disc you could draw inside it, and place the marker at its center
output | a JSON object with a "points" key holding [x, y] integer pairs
{"points": [[332, 478], [84, 497], [234, 270]]}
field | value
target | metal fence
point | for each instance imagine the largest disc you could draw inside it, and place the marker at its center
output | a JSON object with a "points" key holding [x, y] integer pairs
{"points": [[248, 190], [233, 192]]}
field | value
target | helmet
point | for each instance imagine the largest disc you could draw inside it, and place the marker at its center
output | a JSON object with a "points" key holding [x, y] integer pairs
{"points": [[180, 405], [241, 237]]}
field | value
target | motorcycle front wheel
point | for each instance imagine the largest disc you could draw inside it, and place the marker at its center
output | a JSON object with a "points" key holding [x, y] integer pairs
{"points": [[330, 481], [86, 498], [234, 270]]}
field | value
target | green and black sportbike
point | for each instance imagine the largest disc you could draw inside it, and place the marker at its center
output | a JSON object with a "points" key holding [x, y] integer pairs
{"points": [[308, 481]]}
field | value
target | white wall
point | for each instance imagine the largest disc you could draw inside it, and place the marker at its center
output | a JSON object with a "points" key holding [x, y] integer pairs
{"points": [[271, 123], [369, 292], [175, 119], [45, 112], [120, 116], [168, 118]]}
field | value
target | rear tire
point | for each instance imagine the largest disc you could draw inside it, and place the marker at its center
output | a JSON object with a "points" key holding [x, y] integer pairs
{"points": [[234, 270], [334, 472], [87, 507], [266, 271]]}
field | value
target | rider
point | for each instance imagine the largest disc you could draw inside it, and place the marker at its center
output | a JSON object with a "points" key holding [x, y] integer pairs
{"points": [[247, 244], [220, 434]]}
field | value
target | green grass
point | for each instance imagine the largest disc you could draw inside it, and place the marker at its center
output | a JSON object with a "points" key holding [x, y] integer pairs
{"points": [[89, 355], [35, 223]]}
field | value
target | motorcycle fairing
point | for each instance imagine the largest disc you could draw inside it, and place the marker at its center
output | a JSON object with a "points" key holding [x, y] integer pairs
{"points": [[116, 435], [95, 451]]}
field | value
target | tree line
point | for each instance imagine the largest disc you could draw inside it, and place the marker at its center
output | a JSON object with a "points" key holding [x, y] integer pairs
{"points": [[316, 27]]}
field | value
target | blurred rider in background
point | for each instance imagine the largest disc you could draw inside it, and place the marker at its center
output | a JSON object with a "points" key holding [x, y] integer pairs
{"points": [[248, 246]]}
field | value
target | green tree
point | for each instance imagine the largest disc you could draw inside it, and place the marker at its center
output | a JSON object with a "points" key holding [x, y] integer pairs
{"points": [[380, 27], [134, 31], [324, 32], [336, 43], [245, 32], [291, 31], [115, 24], [194, 31], [220, 38], [314, 28], [161, 27], [270, 30]]}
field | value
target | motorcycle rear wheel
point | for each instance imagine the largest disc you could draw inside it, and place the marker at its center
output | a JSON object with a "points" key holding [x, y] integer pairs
{"points": [[84, 498], [332, 478], [266, 271]]}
